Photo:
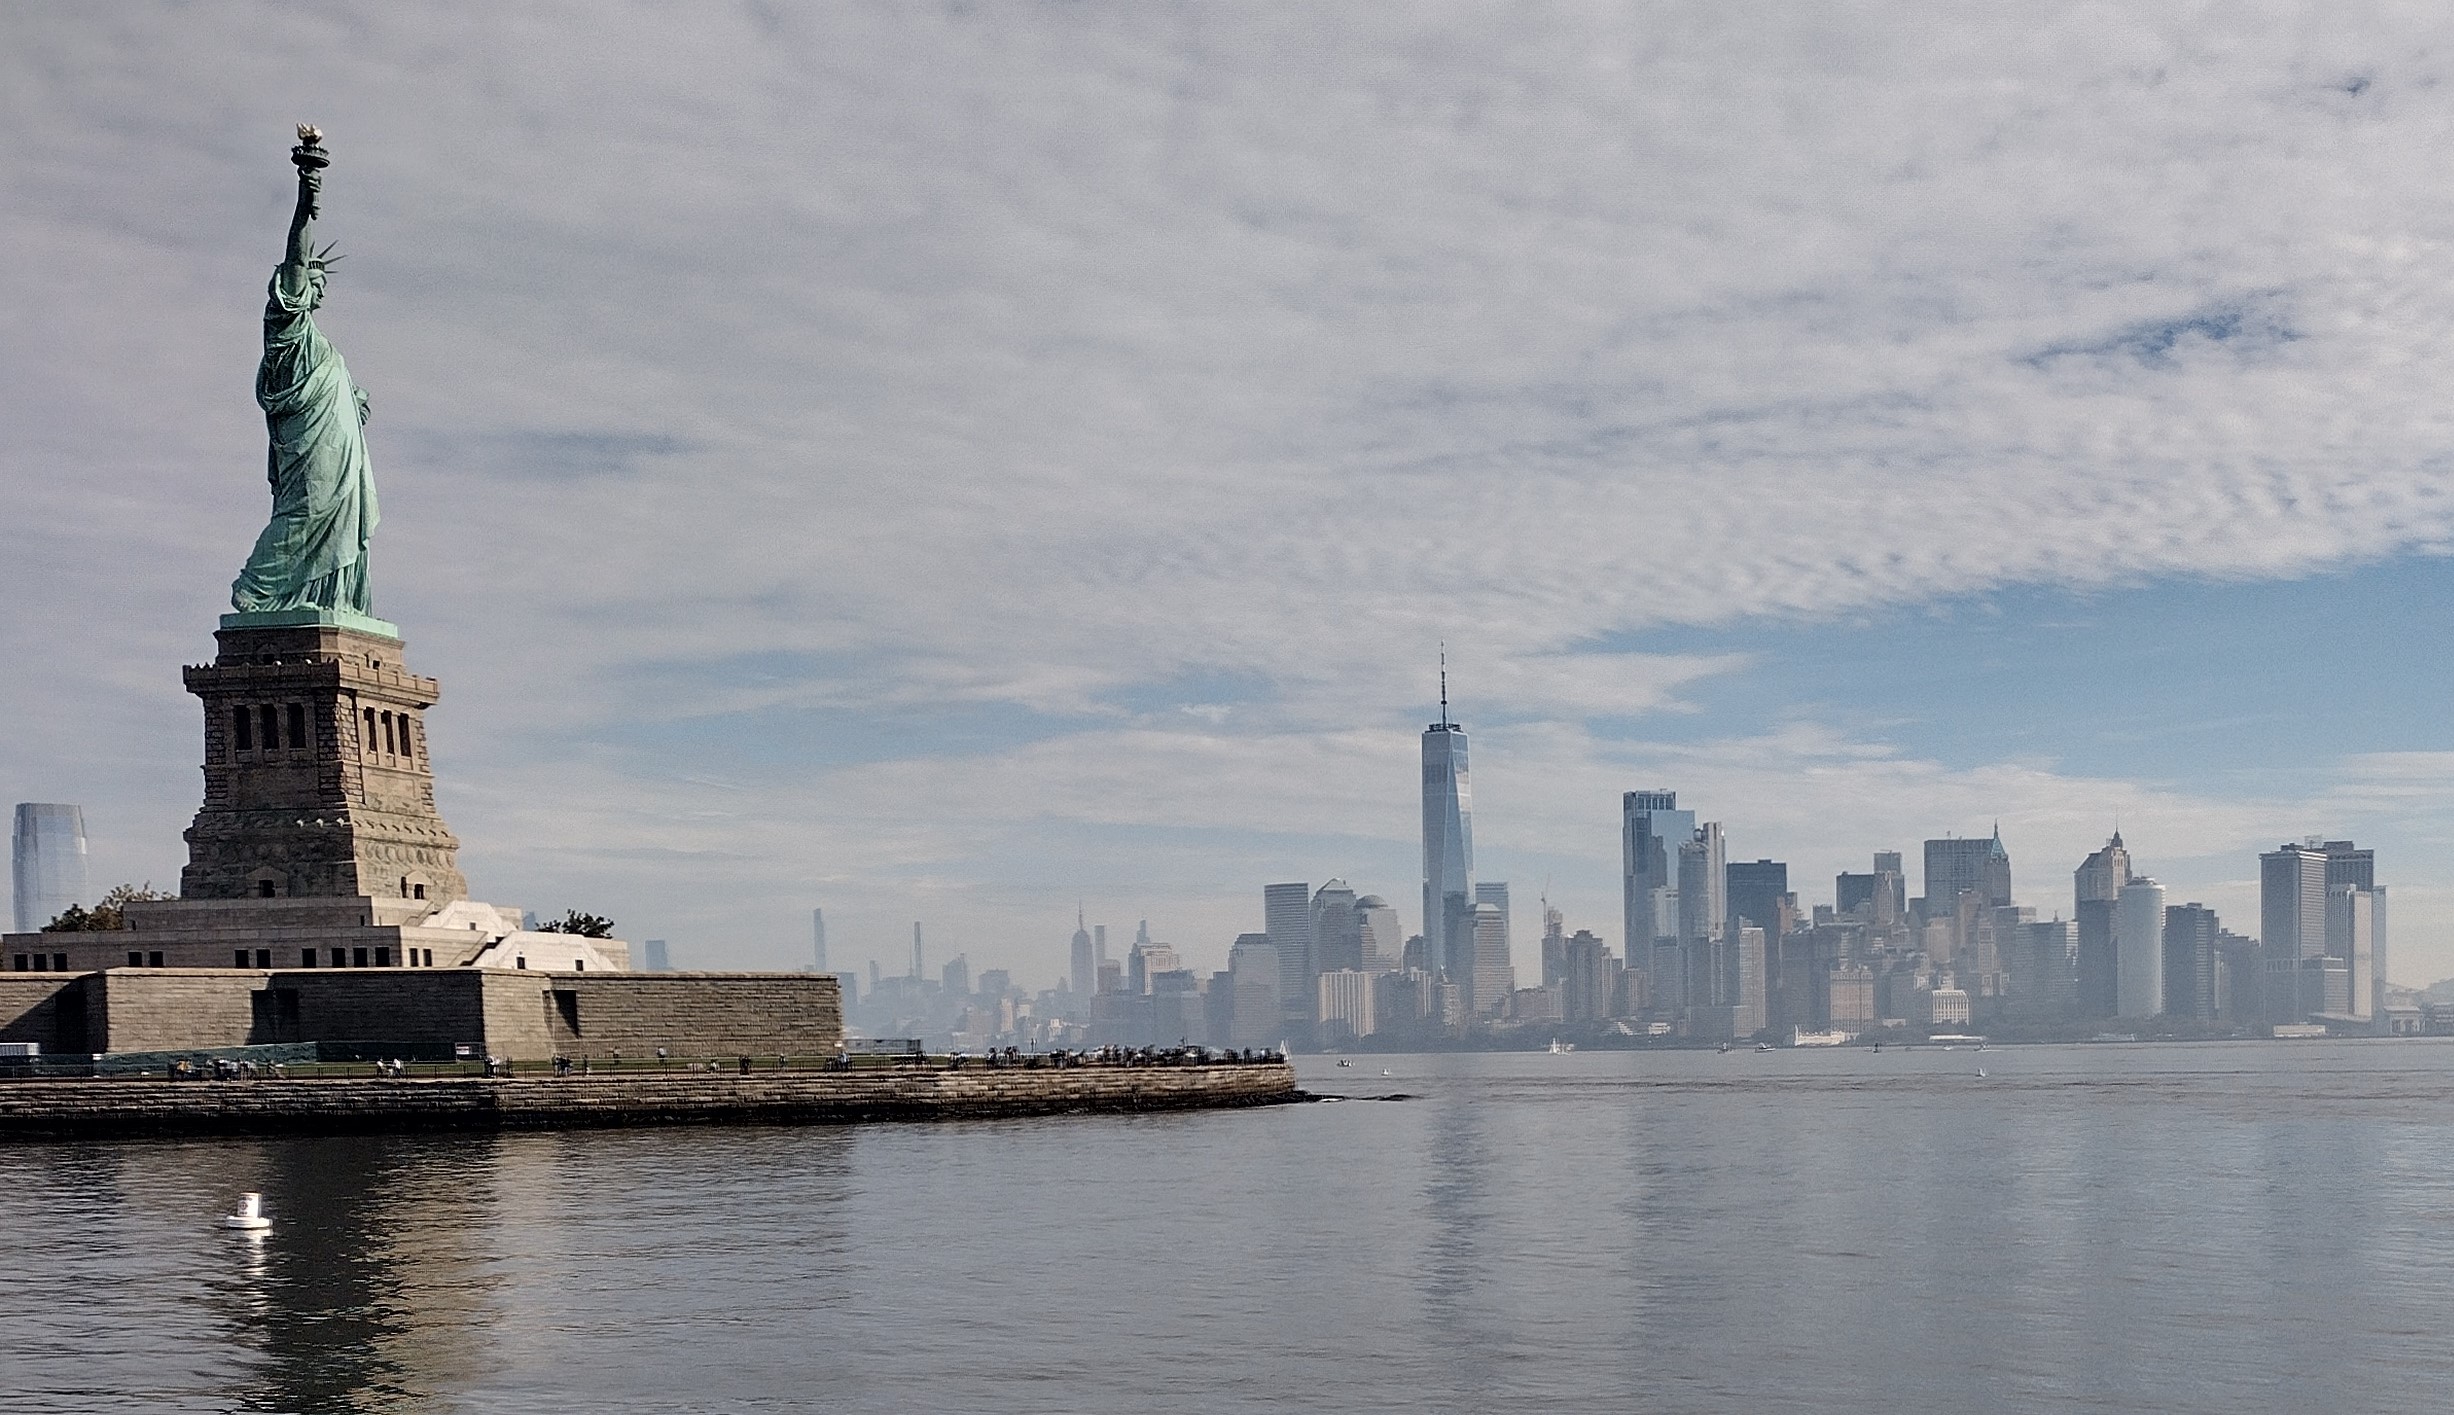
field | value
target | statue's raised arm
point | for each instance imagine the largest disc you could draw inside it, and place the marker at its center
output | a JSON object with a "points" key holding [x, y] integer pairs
{"points": [[311, 160], [312, 555]]}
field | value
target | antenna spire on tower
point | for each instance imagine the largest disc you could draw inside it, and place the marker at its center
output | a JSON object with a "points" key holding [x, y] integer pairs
{"points": [[1444, 683]]}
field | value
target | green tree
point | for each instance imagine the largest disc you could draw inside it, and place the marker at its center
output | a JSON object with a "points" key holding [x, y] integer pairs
{"points": [[585, 925], [105, 916]]}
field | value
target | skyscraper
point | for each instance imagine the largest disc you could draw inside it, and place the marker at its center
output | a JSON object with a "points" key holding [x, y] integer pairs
{"points": [[916, 961], [2138, 940], [2190, 934], [1494, 964], [46, 862], [2096, 886], [1286, 914], [1651, 830], [1448, 843], [1337, 933], [1554, 945], [1704, 917], [1490, 979], [655, 957], [1955, 866], [818, 939], [1085, 962], [2292, 928], [1384, 947]]}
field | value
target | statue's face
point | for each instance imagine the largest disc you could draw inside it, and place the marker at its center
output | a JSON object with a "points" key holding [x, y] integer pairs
{"points": [[315, 288]]}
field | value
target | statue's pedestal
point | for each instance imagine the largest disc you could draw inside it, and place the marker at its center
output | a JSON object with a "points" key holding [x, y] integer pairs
{"points": [[317, 779]]}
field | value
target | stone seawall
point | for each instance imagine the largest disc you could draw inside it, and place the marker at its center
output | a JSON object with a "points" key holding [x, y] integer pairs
{"points": [[84, 1108]]}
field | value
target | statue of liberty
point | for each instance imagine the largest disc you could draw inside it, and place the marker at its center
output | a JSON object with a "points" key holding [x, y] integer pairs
{"points": [[312, 555]]}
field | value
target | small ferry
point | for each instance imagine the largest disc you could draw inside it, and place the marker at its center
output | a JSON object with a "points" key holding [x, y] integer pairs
{"points": [[1560, 1048]]}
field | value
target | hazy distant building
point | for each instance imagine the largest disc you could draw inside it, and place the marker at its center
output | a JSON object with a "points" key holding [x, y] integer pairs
{"points": [[1384, 947], [1589, 982], [955, 978], [1085, 971], [47, 862], [655, 957], [2190, 959], [1145, 962], [1256, 1016], [1491, 978], [2363, 949], [1554, 946], [2292, 929], [2044, 968], [1955, 867], [1337, 934], [1704, 917], [1286, 914], [1448, 843], [918, 963], [1651, 830], [2096, 887], [2351, 936], [1495, 894], [1747, 950], [818, 939], [1345, 1004], [1881, 894], [2138, 935]]}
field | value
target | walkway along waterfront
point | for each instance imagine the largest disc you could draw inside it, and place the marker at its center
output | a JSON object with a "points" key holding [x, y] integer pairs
{"points": [[96, 1106]]}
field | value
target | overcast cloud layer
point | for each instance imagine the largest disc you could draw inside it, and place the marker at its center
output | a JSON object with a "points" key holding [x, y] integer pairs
{"points": [[944, 462]]}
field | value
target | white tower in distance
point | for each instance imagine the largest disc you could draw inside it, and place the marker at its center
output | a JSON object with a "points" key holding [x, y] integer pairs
{"points": [[2138, 943]]}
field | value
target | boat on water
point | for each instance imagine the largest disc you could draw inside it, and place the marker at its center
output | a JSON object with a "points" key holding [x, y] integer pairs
{"points": [[1763, 1046], [1799, 1038], [1560, 1048]]}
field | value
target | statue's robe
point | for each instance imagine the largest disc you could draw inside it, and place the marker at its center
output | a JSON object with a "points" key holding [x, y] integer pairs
{"points": [[312, 555]]}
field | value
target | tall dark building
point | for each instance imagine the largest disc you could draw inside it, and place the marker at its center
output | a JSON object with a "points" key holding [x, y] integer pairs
{"points": [[2291, 927], [2190, 934], [2095, 887], [1955, 866], [1758, 893]]}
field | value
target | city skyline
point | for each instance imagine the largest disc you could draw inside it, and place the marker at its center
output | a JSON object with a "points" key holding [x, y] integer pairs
{"points": [[1027, 517]]}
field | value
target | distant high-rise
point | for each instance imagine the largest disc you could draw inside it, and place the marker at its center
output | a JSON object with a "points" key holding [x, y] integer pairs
{"points": [[1085, 973], [1554, 947], [1704, 917], [1286, 913], [1448, 843], [1099, 945], [2096, 886], [1384, 947], [1494, 963], [1651, 830], [1490, 979], [2138, 941], [1955, 866], [1337, 933], [47, 862], [818, 938], [2292, 928], [957, 976], [916, 961], [656, 958], [2190, 934], [1252, 967]]}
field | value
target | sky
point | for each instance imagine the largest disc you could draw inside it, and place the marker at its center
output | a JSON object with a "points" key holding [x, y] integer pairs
{"points": [[960, 463]]}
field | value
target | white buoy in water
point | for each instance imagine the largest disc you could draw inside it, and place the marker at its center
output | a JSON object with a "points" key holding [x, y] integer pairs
{"points": [[250, 1214]]}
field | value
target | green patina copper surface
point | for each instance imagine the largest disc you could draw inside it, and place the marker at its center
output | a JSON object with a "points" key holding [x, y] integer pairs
{"points": [[312, 554]]}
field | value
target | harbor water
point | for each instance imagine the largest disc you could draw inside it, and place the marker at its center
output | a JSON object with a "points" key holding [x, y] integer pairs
{"points": [[2217, 1227]]}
